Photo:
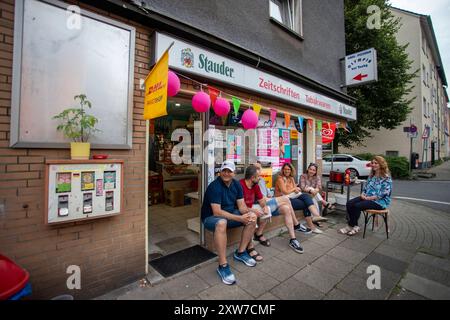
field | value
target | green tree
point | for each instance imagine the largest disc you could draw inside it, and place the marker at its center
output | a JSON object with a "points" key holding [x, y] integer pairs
{"points": [[381, 104]]}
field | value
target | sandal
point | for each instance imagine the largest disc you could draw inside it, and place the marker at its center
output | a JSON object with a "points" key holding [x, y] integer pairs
{"points": [[345, 230], [265, 243], [256, 255], [354, 231]]}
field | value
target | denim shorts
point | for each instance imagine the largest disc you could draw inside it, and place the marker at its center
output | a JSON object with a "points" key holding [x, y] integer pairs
{"points": [[211, 221], [273, 205]]}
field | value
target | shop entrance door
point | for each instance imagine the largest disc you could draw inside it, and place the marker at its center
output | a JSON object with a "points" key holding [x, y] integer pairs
{"points": [[174, 188]]}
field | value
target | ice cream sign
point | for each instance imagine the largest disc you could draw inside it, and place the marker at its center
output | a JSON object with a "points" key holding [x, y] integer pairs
{"points": [[361, 67]]}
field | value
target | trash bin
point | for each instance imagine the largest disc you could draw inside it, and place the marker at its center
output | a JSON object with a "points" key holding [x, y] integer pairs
{"points": [[14, 283], [414, 160]]}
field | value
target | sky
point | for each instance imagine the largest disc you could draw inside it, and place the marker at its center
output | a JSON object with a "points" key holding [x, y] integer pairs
{"points": [[439, 10]]}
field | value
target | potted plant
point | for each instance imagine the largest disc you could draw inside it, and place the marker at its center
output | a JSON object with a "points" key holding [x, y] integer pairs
{"points": [[78, 126]]}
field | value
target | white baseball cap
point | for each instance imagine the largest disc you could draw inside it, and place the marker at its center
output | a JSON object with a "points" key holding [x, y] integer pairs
{"points": [[228, 164]]}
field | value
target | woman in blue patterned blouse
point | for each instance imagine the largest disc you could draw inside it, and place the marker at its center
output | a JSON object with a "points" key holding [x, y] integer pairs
{"points": [[376, 195]]}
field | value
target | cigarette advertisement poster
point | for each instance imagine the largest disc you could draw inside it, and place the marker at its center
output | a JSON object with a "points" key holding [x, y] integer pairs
{"points": [[234, 147], [267, 150], [284, 140]]}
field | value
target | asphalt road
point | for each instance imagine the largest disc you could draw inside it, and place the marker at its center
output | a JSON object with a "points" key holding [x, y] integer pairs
{"points": [[424, 189]]}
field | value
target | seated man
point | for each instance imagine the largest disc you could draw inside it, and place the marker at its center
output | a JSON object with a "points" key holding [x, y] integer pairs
{"points": [[219, 212], [252, 193]]}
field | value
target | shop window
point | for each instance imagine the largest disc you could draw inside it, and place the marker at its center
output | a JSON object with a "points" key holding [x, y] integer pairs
{"points": [[288, 13]]}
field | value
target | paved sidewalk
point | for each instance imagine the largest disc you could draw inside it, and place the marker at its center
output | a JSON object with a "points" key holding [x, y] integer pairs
{"points": [[441, 171], [414, 264]]}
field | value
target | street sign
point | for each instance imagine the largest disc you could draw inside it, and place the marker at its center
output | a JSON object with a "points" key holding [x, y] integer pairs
{"points": [[426, 132], [413, 129], [361, 67]]}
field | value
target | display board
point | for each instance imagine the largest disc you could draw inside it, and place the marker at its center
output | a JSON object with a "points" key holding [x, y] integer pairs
{"points": [[61, 51], [82, 190]]}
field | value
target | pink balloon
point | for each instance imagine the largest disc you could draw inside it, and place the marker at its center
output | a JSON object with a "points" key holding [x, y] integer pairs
{"points": [[221, 107], [250, 119], [173, 84], [201, 102]]}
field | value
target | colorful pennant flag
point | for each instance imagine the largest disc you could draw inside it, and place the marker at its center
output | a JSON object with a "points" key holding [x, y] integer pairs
{"points": [[213, 93], [310, 124], [300, 124], [287, 120], [347, 128], [257, 108], [155, 99], [236, 105], [319, 125], [273, 116]]}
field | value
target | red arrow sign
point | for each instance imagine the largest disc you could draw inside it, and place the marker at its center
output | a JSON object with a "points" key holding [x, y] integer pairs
{"points": [[360, 76]]}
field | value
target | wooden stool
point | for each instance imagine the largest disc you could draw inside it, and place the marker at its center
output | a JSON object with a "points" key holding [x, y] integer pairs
{"points": [[373, 214]]}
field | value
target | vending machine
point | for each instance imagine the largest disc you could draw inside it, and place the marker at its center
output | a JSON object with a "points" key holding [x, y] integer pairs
{"points": [[83, 189]]}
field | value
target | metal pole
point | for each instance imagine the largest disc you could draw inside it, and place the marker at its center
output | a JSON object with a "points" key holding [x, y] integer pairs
{"points": [[410, 148], [332, 154]]}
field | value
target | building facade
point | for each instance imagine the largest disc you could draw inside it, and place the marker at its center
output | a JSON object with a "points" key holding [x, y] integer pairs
{"points": [[52, 50], [429, 106]]}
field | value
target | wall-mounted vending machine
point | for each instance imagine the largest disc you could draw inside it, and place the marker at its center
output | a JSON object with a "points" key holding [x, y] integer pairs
{"points": [[83, 189]]}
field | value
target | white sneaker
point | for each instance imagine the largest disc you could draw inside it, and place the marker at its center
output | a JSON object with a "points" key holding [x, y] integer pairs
{"points": [[317, 230]]}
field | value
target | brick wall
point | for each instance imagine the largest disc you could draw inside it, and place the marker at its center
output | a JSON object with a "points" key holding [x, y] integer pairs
{"points": [[110, 251]]}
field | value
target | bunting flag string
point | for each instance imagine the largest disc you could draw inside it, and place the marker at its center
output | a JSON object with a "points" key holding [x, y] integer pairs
{"points": [[257, 108], [213, 93], [319, 125], [287, 120], [236, 105], [300, 124], [348, 129], [310, 124]]}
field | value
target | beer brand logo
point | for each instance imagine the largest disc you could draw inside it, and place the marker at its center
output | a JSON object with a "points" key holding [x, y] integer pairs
{"points": [[187, 58]]}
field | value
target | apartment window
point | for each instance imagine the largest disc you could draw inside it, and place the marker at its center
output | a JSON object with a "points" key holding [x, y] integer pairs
{"points": [[428, 113], [287, 13], [424, 45], [391, 153], [431, 72], [424, 75], [424, 107]]}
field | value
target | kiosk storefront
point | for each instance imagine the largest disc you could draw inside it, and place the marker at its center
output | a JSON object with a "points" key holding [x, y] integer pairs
{"points": [[289, 128]]}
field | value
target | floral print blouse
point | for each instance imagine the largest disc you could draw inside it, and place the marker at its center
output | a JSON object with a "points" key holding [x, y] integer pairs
{"points": [[380, 187]]}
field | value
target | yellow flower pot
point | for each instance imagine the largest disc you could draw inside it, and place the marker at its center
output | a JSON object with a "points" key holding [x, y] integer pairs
{"points": [[80, 150]]}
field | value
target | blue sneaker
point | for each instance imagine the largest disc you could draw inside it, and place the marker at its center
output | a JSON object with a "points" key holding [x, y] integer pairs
{"points": [[226, 275], [295, 245], [303, 229], [245, 258]]}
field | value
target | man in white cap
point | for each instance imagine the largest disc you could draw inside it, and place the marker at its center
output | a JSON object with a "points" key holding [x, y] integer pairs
{"points": [[224, 207]]}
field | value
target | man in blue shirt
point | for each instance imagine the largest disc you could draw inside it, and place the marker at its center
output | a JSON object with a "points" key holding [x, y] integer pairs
{"points": [[224, 207]]}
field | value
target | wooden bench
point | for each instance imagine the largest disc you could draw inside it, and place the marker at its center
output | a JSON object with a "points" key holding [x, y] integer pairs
{"points": [[234, 234]]}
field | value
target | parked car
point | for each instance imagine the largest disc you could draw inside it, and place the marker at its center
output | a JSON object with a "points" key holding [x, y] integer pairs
{"points": [[341, 162]]}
